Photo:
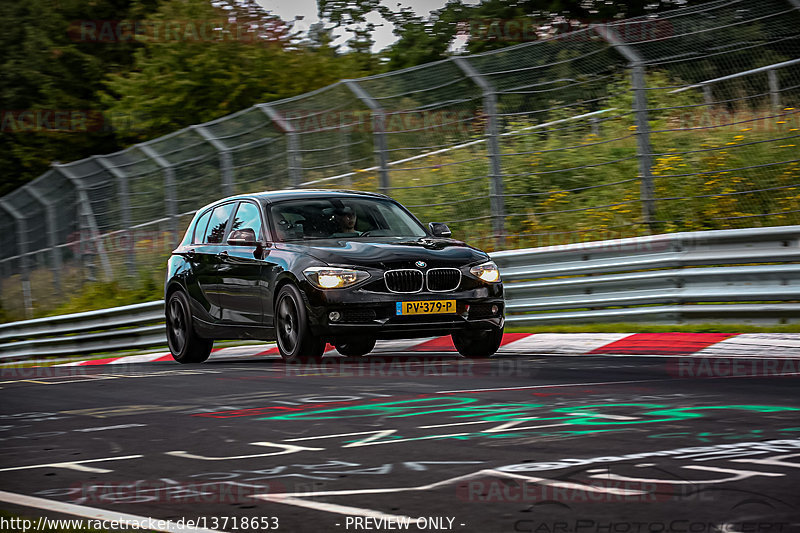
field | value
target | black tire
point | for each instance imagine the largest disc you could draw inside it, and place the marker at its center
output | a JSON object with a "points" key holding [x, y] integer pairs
{"points": [[356, 347], [296, 343], [184, 343], [478, 343]]}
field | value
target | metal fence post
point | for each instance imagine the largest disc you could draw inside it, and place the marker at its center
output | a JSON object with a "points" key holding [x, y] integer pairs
{"points": [[52, 232], [708, 94], [774, 90], [170, 197], [125, 209], [645, 151], [225, 158], [496, 195], [292, 144], [379, 132], [22, 246], [88, 224]]}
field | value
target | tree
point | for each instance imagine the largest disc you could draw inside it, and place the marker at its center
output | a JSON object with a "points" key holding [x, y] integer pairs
{"points": [[48, 69], [494, 24], [352, 15], [220, 61]]}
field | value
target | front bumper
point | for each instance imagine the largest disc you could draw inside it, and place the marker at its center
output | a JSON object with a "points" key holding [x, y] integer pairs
{"points": [[368, 313]]}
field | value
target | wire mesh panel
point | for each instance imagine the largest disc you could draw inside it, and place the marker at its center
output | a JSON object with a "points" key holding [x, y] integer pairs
{"points": [[436, 146], [724, 128], [196, 164], [33, 234], [59, 269], [146, 191], [684, 120], [10, 268], [257, 150], [327, 135], [568, 152]]}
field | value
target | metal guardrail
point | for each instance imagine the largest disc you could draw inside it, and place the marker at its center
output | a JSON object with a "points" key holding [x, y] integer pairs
{"points": [[741, 276], [127, 327]]}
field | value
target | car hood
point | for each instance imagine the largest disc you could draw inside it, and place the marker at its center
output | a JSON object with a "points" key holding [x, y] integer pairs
{"points": [[391, 252]]}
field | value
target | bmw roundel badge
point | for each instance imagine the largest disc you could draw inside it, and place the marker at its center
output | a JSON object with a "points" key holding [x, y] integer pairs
{"points": [[421, 264]]}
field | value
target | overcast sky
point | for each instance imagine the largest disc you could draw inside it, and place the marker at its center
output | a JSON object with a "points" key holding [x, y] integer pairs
{"points": [[289, 9]]}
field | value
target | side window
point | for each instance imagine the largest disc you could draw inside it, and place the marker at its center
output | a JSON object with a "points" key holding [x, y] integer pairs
{"points": [[247, 216], [216, 225], [200, 228]]}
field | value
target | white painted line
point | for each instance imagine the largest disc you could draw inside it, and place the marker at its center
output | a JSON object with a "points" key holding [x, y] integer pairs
{"points": [[399, 345], [377, 432], [772, 345], [462, 423], [562, 343], [142, 358], [291, 496], [242, 351], [75, 465], [93, 513], [104, 428], [286, 448], [332, 507]]}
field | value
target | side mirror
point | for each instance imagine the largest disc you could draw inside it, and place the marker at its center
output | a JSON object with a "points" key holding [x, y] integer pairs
{"points": [[243, 237], [439, 229]]}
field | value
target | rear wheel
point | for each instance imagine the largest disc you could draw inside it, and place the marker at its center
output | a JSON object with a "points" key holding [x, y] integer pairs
{"points": [[296, 343], [477, 343], [184, 344], [356, 347]]}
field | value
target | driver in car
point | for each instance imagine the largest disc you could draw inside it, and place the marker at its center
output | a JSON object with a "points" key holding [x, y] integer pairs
{"points": [[345, 220]]}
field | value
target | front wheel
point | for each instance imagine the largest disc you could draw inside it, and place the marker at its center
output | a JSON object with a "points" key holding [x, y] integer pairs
{"points": [[477, 343], [356, 347], [184, 344], [296, 343]]}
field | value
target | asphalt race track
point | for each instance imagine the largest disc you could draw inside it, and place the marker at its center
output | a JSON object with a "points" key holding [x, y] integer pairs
{"points": [[418, 442]]}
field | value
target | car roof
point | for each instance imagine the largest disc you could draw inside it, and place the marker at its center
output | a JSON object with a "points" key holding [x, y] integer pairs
{"points": [[296, 194]]}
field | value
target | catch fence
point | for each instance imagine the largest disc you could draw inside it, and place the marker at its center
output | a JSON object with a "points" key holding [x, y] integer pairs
{"points": [[682, 121]]}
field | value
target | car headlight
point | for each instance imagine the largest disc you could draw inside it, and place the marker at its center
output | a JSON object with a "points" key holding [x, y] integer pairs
{"points": [[334, 278], [487, 272]]}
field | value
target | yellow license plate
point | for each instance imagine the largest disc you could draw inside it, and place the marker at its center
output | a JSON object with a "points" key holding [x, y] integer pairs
{"points": [[433, 307]]}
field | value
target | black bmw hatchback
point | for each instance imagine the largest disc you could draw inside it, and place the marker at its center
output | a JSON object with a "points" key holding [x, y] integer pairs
{"points": [[306, 267]]}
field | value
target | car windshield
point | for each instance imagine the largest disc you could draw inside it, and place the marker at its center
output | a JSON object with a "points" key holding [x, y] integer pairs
{"points": [[336, 218]]}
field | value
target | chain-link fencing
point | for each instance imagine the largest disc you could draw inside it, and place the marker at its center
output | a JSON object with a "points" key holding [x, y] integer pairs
{"points": [[681, 121]]}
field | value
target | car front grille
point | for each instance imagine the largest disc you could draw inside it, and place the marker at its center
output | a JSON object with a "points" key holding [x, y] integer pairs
{"points": [[443, 279], [403, 280]]}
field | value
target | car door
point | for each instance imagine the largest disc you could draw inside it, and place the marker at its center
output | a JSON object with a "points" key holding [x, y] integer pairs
{"points": [[242, 291], [206, 257]]}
